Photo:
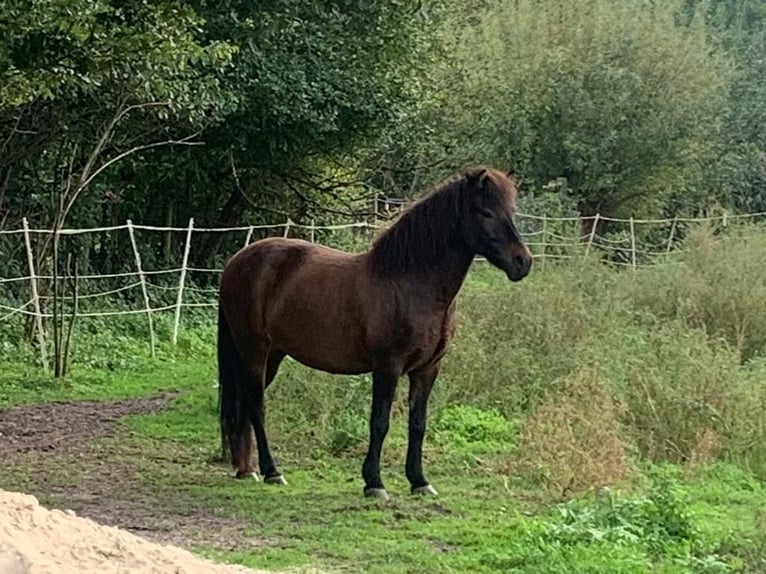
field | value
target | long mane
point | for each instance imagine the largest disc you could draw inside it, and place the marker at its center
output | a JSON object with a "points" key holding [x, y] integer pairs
{"points": [[421, 234]]}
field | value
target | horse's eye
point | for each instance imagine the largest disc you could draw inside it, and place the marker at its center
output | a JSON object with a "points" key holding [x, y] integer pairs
{"points": [[486, 213]]}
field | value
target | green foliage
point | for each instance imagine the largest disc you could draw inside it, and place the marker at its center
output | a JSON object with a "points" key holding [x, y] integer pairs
{"points": [[738, 174], [282, 94], [473, 430], [577, 92], [515, 343], [347, 431], [141, 52], [661, 520], [700, 289], [348, 421]]}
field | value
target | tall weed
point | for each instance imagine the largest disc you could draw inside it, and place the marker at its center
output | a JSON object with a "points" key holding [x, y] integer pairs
{"points": [[572, 442], [718, 285]]}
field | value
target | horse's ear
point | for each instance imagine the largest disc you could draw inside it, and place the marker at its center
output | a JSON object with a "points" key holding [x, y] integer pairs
{"points": [[484, 179]]}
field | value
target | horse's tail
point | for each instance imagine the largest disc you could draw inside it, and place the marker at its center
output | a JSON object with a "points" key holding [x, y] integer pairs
{"points": [[232, 396]]}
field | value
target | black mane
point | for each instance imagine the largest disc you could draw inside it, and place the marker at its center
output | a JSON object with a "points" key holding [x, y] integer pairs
{"points": [[420, 236]]}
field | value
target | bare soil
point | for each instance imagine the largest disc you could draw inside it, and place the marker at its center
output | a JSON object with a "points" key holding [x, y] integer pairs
{"points": [[54, 451]]}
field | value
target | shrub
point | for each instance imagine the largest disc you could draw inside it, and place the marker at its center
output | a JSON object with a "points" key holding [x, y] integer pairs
{"points": [[677, 389], [659, 520], [514, 341], [572, 442], [473, 430], [744, 439], [718, 285]]}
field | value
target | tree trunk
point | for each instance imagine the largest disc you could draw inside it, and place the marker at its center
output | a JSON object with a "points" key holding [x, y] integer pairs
{"points": [[588, 212], [229, 216], [167, 242]]}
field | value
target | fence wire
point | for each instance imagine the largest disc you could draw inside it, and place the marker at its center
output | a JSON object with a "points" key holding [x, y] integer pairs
{"points": [[139, 289]]}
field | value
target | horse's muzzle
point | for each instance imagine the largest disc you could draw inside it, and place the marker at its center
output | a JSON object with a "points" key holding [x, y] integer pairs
{"points": [[519, 267]]}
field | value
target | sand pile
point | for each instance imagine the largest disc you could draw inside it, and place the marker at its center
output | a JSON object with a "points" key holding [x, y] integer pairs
{"points": [[35, 540]]}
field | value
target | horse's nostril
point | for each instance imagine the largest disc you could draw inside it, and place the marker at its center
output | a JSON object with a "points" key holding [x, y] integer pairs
{"points": [[520, 261]]}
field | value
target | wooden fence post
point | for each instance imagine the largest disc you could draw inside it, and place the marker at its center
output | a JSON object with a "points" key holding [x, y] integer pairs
{"points": [[35, 295], [288, 223], [182, 281], [633, 243], [142, 279], [672, 235], [592, 235], [543, 233], [249, 236]]}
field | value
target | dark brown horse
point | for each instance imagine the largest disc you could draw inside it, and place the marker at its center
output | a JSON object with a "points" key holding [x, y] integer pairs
{"points": [[389, 311]]}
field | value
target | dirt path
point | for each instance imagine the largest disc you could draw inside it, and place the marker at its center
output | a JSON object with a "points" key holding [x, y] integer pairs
{"points": [[70, 426], [51, 451]]}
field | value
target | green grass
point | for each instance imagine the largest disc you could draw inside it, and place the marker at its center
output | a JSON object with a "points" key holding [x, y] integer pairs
{"points": [[22, 384], [484, 520], [652, 384]]}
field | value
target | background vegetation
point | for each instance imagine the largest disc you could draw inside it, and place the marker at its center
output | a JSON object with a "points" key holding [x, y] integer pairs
{"points": [[235, 112], [587, 419]]}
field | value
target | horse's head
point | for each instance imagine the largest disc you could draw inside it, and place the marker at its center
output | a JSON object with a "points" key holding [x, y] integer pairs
{"points": [[488, 226]]}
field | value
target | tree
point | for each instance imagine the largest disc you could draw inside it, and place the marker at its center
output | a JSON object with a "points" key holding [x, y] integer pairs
{"points": [[85, 84], [622, 101], [739, 174]]}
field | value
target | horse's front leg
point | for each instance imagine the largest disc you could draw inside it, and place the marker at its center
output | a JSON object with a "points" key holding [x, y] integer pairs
{"points": [[421, 383], [383, 388]]}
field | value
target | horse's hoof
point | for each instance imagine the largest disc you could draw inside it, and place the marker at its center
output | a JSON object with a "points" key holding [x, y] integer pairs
{"points": [[251, 474], [425, 490], [377, 493], [276, 479]]}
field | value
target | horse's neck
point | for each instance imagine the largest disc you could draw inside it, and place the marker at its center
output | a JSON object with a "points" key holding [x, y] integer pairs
{"points": [[445, 279]]}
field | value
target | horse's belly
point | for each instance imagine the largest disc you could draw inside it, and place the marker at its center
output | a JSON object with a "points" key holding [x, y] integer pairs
{"points": [[334, 365], [342, 357], [323, 343]]}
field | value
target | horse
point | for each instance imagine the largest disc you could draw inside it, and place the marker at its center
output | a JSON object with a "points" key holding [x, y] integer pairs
{"points": [[389, 311]]}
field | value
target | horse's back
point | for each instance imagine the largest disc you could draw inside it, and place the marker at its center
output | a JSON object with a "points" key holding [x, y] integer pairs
{"points": [[303, 298]]}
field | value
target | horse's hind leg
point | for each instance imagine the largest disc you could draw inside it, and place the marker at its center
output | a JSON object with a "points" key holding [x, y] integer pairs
{"points": [[421, 383], [243, 457], [265, 368]]}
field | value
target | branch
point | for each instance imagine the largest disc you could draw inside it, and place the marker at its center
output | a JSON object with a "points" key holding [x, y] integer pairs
{"points": [[123, 155], [122, 110], [14, 131], [131, 151], [99, 147], [245, 196], [414, 168], [141, 106], [320, 207], [4, 185]]}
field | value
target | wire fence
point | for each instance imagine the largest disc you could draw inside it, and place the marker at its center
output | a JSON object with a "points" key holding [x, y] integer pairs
{"points": [[146, 285]]}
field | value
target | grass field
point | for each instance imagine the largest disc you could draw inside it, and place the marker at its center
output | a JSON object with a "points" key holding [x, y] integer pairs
{"points": [[587, 420]]}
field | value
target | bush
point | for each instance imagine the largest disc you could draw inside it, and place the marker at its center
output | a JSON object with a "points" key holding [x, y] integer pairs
{"points": [[744, 440], [676, 389], [718, 286], [473, 430], [348, 430], [572, 442], [514, 341], [660, 520]]}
